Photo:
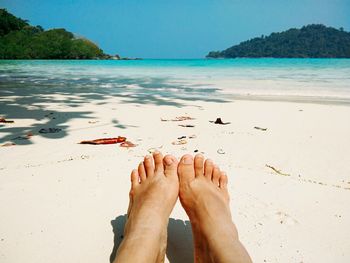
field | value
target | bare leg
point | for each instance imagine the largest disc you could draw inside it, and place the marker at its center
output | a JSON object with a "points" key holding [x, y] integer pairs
{"points": [[203, 194], [153, 194]]}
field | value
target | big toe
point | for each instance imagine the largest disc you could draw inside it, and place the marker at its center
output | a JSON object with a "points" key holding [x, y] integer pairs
{"points": [[170, 166], [185, 169]]}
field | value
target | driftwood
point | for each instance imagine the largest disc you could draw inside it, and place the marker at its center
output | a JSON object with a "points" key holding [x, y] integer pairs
{"points": [[259, 128], [3, 120], [186, 125], [276, 170], [180, 118]]}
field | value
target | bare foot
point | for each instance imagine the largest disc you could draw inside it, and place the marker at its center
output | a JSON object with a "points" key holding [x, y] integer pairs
{"points": [[153, 194], [203, 194]]}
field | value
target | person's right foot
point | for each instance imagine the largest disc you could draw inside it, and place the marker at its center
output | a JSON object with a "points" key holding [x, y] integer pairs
{"points": [[203, 194], [153, 194]]}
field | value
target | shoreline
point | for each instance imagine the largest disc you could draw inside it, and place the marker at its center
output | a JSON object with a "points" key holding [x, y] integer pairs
{"points": [[294, 99]]}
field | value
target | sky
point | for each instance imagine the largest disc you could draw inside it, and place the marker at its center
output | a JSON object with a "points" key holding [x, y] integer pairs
{"points": [[177, 28]]}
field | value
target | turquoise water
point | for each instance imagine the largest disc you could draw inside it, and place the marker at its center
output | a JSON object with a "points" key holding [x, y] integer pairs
{"points": [[328, 78]]}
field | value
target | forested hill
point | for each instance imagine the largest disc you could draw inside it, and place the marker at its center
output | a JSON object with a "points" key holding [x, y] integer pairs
{"points": [[20, 40], [312, 41]]}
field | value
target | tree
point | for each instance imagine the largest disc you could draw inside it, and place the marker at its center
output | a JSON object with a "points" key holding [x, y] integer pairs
{"points": [[312, 41], [19, 40]]}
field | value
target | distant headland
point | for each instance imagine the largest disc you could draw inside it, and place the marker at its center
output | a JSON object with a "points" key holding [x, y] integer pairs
{"points": [[20, 40], [312, 41]]}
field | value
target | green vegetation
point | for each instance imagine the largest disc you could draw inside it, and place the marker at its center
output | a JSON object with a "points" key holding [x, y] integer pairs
{"points": [[312, 41], [19, 40]]}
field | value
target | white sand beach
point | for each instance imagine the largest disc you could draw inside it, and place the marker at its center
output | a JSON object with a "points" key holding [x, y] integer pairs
{"points": [[65, 202]]}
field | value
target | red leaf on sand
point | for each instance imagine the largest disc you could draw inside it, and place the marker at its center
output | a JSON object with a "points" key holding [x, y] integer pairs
{"points": [[127, 144], [105, 141]]}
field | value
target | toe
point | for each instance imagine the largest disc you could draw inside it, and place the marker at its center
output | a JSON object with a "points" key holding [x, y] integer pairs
{"points": [[223, 180], [208, 169], [142, 172], [170, 166], [198, 165], [149, 167], [158, 161], [135, 179], [185, 169], [216, 175]]}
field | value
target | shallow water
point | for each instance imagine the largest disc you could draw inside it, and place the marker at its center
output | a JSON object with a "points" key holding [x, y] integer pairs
{"points": [[311, 78]]}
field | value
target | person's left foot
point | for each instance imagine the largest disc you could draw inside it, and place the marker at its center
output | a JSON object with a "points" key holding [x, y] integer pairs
{"points": [[153, 194]]}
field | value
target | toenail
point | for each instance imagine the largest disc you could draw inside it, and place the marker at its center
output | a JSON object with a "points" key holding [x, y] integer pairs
{"points": [[168, 161], [188, 160], [156, 153], [147, 157]]}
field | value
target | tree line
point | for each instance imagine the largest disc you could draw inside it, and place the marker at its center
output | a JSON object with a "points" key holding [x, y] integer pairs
{"points": [[20, 40], [311, 41]]}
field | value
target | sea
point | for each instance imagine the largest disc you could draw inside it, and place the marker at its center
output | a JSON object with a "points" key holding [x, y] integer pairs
{"points": [[319, 80]]}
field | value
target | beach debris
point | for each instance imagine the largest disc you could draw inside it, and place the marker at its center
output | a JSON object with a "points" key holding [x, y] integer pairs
{"points": [[182, 137], [49, 115], [180, 118], [3, 120], [25, 137], [50, 130], [186, 125], [119, 139], [8, 144], [219, 121], [93, 122], [195, 151], [66, 160], [152, 150], [179, 142], [192, 136], [276, 170], [127, 144], [259, 128], [220, 151]]}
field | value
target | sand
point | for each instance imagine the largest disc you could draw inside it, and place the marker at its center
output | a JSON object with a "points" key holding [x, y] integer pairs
{"points": [[65, 202]]}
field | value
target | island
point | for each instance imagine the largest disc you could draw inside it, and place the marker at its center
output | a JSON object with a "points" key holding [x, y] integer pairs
{"points": [[20, 40], [311, 41]]}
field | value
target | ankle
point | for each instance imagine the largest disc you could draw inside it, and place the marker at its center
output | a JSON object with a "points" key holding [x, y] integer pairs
{"points": [[223, 229]]}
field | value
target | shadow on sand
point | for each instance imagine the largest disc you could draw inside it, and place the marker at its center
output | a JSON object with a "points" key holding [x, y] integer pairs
{"points": [[30, 97], [179, 247]]}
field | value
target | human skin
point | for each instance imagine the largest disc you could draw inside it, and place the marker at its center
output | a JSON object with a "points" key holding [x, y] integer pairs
{"points": [[203, 193]]}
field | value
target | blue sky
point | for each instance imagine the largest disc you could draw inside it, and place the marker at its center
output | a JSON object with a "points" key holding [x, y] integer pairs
{"points": [[177, 28]]}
